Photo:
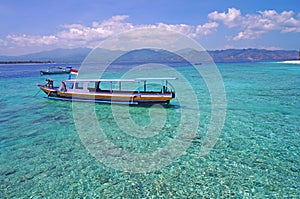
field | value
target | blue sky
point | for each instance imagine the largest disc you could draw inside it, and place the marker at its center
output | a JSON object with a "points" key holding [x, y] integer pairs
{"points": [[38, 25]]}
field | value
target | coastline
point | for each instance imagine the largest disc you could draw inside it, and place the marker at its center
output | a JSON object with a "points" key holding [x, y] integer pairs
{"points": [[27, 62], [291, 62]]}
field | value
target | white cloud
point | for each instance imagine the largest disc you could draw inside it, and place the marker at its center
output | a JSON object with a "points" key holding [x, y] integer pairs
{"points": [[207, 28], [231, 19], [3, 42], [182, 28], [29, 40], [254, 25], [78, 35], [248, 26]]}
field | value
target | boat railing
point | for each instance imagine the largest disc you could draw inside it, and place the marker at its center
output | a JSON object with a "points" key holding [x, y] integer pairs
{"points": [[143, 84], [169, 85]]}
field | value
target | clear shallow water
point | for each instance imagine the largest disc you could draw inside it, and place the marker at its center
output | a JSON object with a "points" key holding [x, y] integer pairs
{"points": [[257, 154]]}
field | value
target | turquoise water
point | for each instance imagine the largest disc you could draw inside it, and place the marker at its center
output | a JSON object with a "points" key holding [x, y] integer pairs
{"points": [[257, 154]]}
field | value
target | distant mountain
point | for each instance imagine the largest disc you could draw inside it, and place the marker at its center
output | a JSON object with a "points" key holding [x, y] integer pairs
{"points": [[58, 55], [252, 55], [78, 55], [150, 56], [103, 55], [194, 56]]}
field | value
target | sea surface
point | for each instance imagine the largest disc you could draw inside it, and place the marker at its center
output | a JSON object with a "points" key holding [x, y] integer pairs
{"points": [[43, 155]]}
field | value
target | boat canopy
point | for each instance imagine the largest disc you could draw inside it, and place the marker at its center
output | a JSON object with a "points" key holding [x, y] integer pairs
{"points": [[139, 81]]}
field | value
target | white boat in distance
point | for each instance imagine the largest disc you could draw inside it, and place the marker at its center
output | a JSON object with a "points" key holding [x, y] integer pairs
{"points": [[57, 70], [110, 90]]}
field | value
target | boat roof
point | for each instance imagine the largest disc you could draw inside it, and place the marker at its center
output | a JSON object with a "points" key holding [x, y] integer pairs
{"points": [[60, 66], [121, 80], [156, 78]]}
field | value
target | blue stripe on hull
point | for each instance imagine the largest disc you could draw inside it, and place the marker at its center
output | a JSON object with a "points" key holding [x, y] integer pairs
{"points": [[88, 100]]}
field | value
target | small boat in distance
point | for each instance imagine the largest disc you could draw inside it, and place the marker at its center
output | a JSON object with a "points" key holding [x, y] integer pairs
{"points": [[112, 90], [56, 70]]}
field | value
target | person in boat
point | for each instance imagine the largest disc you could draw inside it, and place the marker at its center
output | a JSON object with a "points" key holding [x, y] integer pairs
{"points": [[49, 83], [164, 89], [63, 86], [97, 85]]}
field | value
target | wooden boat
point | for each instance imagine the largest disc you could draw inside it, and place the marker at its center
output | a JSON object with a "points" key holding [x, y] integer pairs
{"points": [[56, 70], [112, 90]]}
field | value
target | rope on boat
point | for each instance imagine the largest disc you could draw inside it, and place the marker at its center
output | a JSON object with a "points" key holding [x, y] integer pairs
{"points": [[37, 93], [49, 92]]}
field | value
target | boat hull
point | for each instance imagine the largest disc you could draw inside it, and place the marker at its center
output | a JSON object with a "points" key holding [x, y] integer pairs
{"points": [[109, 97], [54, 72]]}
